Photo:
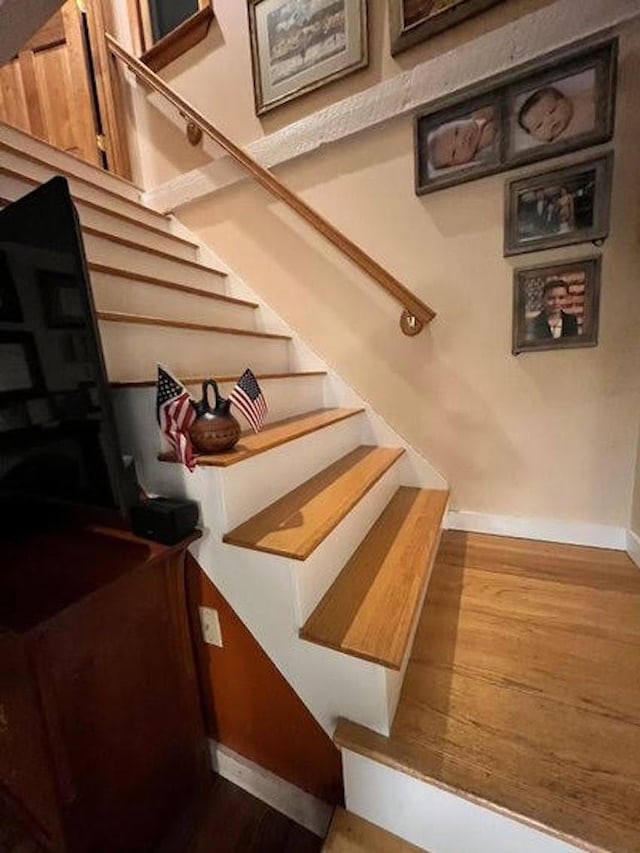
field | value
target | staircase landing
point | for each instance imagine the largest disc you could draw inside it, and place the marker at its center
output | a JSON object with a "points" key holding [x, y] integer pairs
{"points": [[523, 688]]}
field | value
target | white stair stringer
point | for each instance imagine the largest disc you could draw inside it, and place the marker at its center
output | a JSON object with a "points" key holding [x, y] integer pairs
{"points": [[438, 818]]}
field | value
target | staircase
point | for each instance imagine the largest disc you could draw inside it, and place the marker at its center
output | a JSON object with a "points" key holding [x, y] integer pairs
{"points": [[320, 531]]}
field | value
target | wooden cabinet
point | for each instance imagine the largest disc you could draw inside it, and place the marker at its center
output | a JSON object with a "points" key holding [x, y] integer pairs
{"points": [[101, 739]]}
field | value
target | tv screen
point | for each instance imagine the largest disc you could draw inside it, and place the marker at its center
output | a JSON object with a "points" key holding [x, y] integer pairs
{"points": [[58, 442]]}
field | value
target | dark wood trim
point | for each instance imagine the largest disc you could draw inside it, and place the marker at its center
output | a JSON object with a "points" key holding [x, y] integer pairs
{"points": [[182, 39], [197, 380], [139, 320]]}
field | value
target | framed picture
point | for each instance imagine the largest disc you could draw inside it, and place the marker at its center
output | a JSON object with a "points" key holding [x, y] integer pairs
{"points": [[458, 144], [558, 208], [20, 372], [556, 306], [299, 45], [62, 300], [567, 106], [561, 103], [413, 21], [10, 308]]}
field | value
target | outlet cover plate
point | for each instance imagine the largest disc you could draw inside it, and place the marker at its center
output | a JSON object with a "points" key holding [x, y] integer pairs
{"points": [[210, 624]]}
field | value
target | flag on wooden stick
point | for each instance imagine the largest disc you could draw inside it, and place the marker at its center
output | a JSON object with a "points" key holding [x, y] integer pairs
{"points": [[175, 416], [247, 396]]}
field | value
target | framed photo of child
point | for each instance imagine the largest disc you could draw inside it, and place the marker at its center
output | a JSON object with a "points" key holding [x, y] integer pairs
{"points": [[558, 208], [556, 306], [568, 106], [458, 144]]}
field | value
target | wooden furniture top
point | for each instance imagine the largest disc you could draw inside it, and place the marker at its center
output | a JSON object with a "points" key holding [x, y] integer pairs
{"points": [[44, 573], [371, 608], [141, 320], [523, 687], [273, 435], [349, 833], [422, 313], [296, 524]]}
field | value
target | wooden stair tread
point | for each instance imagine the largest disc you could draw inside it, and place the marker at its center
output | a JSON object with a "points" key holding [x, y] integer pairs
{"points": [[371, 608], [27, 179], [143, 278], [142, 320], [273, 435], [296, 524], [198, 380], [350, 833]]}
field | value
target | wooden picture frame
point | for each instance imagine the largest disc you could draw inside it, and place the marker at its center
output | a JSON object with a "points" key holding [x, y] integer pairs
{"points": [[558, 208], [292, 56], [413, 21], [556, 299], [530, 93]]}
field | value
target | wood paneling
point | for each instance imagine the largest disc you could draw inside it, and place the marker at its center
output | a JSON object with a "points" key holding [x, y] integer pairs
{"points": [[252, 709], [524, 686], [371, 608], [296, 524], [349, 833]]}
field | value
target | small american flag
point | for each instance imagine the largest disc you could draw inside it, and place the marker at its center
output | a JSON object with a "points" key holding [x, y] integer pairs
{"points": [[175, 416], [247, 396]]}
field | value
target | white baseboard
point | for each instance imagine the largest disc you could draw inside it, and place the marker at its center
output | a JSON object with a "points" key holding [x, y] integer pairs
{"points": [[633, 547], [303, 808], [543, 529]]}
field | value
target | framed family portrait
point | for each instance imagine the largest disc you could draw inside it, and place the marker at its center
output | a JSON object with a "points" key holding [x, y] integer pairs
{"points": [[558, 208], [299, 45], [556, 306], [413, 21], [564, 103]]}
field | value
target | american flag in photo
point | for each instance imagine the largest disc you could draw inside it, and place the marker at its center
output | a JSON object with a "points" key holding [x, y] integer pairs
{"points": [[247, 396], [175, 416]]}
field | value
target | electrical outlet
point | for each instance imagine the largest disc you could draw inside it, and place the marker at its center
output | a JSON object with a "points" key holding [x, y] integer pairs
{"points": [[210, 624]]}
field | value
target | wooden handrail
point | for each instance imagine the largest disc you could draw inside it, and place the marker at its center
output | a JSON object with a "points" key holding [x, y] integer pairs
{"points": [[415, 314]]}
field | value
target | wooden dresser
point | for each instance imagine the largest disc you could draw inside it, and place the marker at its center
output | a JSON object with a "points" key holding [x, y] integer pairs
{"points": [[101, 738]]}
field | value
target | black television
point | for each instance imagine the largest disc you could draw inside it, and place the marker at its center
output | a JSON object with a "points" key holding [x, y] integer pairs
{"points": [[59, 452]]}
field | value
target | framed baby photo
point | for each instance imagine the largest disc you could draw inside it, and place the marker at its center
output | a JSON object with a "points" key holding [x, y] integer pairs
{"points": [[458, 143], [413, 21], [299, 46], [556, 306], [558, 208], [567, 106]]}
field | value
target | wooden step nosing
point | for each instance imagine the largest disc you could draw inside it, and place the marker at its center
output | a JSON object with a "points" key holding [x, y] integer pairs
{"points": [[343, 741], [223, 461], [353, 501], [106, 211], [60, 170], [198, 380], [143, 278], [140, 320]]}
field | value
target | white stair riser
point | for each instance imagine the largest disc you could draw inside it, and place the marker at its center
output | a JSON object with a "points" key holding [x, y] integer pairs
{"points": [[29, 145], [313, 577], [79, 189], [132, 352], [128, 296], [110, 253], [252, 485], [14, 188], [434, 818]]}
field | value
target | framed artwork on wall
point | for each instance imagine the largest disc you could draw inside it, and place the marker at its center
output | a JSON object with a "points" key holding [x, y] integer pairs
{"points": [[556, 306], [558, 208], [413, 21], [563, 102], [300, 45]]}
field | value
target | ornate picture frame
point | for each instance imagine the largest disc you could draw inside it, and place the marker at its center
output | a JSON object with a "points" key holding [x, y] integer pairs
{"points": [[298, 46], [413, 21]]}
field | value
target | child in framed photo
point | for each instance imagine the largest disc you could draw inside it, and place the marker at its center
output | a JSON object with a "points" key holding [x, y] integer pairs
{"points": [[556, 307]]}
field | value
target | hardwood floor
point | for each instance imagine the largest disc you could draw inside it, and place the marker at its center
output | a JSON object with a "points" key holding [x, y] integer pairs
{"points": [[524, 685], [229, 820]]}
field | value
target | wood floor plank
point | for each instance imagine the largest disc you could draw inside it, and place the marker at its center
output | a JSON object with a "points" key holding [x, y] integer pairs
{"points": [[271, 436], [296, 524], [349, 833], [370, 609], [523, 688]]}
